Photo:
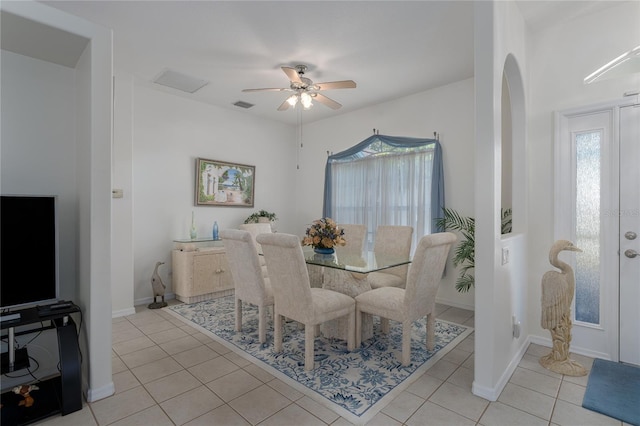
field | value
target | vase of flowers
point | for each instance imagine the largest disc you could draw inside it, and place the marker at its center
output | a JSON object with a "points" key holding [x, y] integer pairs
{"points": [[323, 235]]}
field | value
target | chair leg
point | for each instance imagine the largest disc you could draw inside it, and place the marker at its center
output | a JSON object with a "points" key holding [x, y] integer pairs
{"points": [[406, 342], [238, 314], [384, 325], [431, 332], [358, 330], [351, 344], [309, 340], [262, 323], [277, 331]]}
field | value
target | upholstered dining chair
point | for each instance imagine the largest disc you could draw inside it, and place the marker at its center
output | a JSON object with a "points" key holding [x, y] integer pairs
{"points": [[394, 240], [415, 301], [255, 229], [294, 297], [354, 236], [251, 284]]}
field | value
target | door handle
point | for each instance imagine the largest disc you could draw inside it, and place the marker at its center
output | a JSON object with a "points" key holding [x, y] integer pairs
{"points": [[631, 253], [630, 235]]}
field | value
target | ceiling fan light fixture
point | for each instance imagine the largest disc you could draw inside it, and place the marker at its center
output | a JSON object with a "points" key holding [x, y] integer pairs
{"points": [[305, 100], [305, 90], [293, 100]]}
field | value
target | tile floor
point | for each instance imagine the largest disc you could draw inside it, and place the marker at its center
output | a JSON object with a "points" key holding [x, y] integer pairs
{"points": [[168, 373]]}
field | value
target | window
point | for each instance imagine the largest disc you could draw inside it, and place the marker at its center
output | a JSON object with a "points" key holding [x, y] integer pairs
{"points": [[583, 175], [386, 181], [587, 226]]}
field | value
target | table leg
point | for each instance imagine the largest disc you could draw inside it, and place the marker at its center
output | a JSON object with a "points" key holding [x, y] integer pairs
{"points": [[351, 284]]}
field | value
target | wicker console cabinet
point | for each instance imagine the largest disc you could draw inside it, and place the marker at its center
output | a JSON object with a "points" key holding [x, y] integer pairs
{"points": [[200, 271]]}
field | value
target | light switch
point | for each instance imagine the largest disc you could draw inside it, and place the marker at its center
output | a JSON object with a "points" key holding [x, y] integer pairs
{"points": [[505, 255]]}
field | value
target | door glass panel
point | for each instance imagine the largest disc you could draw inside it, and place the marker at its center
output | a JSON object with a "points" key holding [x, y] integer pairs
{"points": [[587, 207]]}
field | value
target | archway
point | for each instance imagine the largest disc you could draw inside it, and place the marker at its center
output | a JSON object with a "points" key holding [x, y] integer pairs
{"points": [[514, 163]]}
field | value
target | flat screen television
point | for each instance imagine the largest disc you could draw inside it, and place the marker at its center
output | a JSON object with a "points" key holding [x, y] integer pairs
{"points": [[28, 250]]}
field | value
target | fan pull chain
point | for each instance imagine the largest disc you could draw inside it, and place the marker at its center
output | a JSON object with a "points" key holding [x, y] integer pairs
{"points": [[299, 135]]}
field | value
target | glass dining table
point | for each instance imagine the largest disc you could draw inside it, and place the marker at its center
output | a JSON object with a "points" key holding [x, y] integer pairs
{"points": [[362, 263], [346, 272]]}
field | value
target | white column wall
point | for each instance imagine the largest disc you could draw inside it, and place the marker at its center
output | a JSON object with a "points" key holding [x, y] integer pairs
{"points": [[122, 208], [500, 289]]}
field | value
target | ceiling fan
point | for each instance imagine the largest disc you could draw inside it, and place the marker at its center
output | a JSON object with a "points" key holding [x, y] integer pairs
{"points": [[305, 90]]}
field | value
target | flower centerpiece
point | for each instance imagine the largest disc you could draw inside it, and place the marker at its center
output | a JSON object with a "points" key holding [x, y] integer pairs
{"points": [[323, 235]]}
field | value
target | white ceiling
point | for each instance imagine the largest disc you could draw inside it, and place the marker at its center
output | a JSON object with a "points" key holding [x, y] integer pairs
{"points": [[390, 48]]}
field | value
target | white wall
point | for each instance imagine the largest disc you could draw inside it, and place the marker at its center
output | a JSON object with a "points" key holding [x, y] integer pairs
{"points": [[560, 58], [40, 160], [447, 110], [169, 133]]}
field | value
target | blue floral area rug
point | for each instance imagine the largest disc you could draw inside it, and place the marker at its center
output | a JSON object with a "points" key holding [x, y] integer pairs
{"points": [[355, 385]]}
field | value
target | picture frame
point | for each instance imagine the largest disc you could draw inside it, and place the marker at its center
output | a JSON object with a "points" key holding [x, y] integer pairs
{"points": [[220, 183]]}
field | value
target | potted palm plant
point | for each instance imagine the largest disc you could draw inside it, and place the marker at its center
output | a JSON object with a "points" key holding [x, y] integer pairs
{"points": [[464, 254]]}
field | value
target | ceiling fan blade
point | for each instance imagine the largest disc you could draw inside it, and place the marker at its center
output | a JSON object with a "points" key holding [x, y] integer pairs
{"points": [[267, 89], [344, 84], [284, 106], [293, 75], [327, 101]]}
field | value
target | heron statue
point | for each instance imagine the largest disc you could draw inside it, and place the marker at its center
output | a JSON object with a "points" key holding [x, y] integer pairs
{"points": [[158, 288], [558, 289]]}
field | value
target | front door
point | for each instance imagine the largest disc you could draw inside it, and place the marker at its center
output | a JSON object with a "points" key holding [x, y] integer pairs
{"points": [[630, 234], [598, 208]]}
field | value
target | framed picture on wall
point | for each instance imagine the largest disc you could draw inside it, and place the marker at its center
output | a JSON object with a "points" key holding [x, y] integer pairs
{"points": [[219, 183]]}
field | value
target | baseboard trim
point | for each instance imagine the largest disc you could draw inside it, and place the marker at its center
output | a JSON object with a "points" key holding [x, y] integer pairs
{"points": [[105, 391], [545, 341], [492, 393], [148, 300], [123, 312], [454, 304], [484, 392]]}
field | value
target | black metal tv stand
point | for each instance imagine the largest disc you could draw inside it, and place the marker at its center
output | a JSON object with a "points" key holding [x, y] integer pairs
{"points": [[68, 385]]}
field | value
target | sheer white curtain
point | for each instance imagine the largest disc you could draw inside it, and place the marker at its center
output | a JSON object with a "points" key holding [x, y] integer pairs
{"points": [[385, 189]]}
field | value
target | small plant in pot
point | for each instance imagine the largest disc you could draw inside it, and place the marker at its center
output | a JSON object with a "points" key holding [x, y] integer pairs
{"points": [[261, 216]]}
